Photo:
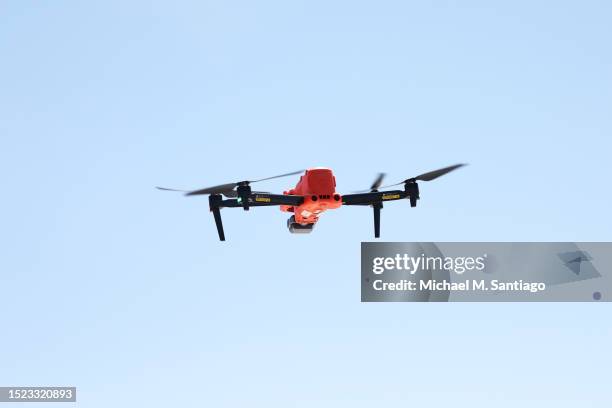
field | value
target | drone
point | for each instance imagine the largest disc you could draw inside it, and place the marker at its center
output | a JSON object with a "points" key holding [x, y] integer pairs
{"points": [[314, 194]]}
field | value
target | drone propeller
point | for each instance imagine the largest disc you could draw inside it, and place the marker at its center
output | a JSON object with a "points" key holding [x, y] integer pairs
{"points": [[428, 176], [170, 189], [375, 185], [228, 189], [220, 189]]}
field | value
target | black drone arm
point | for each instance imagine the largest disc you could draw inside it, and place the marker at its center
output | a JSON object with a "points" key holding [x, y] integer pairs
{"points": [[376, 199], [260, 200], [217, 202]]}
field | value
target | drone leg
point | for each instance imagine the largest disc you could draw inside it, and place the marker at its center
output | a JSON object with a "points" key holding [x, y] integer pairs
{"points": [[214, 201], [217, 213], [377, 207]]}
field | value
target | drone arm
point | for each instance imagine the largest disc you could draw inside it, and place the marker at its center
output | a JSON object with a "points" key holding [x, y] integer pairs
{"points": [[373, 197], [263, 200], [275, 199], [217, 202]]}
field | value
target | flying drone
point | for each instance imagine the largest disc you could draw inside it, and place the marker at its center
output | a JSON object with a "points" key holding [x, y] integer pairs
{"points": [[314, 194]]}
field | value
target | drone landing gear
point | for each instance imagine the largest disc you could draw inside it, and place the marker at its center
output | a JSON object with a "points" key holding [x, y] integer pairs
{"points": [[214, 201], [377, 207]]}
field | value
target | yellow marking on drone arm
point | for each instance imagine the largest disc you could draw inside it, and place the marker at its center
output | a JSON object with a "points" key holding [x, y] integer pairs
{"points": [[390, 196]]}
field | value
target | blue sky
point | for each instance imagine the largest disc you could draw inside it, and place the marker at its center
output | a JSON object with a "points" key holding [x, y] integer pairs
{"points": [[125, 292]]}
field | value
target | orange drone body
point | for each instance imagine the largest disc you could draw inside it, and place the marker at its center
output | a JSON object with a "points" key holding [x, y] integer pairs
{"points": [[318, 187]]}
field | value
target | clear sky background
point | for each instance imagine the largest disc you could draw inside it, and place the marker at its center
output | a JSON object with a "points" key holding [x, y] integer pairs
{"points": [[125, 292]]}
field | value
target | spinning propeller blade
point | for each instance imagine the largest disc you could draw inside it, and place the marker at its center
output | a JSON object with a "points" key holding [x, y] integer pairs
{"points": [[279, 176], [220, 189], [228, 189], [375, 185], [170, 189], [428, 176]]}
